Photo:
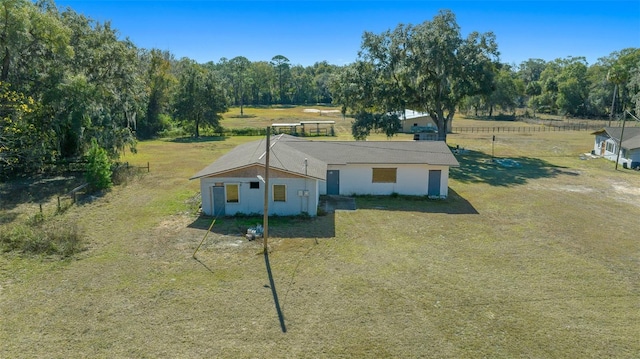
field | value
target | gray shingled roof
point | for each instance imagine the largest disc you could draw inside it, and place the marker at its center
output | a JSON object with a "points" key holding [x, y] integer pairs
{"points": [[282, 157], [376, 152], [288, 153], [631, 136]]}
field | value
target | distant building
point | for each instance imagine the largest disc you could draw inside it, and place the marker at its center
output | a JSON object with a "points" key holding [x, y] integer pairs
{"points": [[416, 122], [606, 145]]}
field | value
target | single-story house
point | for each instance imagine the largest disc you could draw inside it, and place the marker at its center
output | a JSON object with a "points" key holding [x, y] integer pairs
{"points": [[414, 122], [301, 170], [606, 145]]}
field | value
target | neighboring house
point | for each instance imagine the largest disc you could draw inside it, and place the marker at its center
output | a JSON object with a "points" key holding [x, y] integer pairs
{"points": [[302, 170], [415, 122], [606, 145]]}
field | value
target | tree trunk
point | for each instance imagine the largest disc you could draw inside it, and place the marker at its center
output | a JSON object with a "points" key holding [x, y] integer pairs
{"points": [[6, 62], [197, 127], [441, 123]]}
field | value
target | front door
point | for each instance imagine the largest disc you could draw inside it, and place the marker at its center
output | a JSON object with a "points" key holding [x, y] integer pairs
{"points": [[434, 182], [218, 202], [333, 182], [602, 148]]}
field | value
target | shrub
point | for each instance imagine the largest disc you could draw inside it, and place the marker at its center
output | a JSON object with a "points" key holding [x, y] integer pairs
{"points": [[98, 169], [246, 131]]}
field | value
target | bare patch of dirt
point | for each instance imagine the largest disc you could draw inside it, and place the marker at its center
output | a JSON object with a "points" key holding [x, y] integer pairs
{"points": [[563, 188], [173, 235], [320, 112], [627, 193]]}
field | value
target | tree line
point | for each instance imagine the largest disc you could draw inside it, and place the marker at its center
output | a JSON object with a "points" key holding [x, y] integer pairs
{"points": [[430, 67], [69, 83]]}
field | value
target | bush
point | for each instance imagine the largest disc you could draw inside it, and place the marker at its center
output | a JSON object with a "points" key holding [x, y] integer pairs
{"points": [[246, 131], [98, 169], [503, 117]]}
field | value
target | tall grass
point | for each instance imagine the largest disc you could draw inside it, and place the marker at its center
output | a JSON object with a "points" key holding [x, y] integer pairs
{"points": [[42, 237]]}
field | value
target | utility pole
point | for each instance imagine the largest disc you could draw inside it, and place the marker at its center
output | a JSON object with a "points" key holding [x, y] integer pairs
{"points": [[265, 220], [613, 102], [624, 119]]}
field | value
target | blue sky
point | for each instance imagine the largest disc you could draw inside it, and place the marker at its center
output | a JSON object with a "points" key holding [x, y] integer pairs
{"points": [[310, 31]]}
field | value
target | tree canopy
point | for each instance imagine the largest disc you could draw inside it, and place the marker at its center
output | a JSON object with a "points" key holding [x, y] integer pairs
{"points": [[67, 80], [427, 67]]}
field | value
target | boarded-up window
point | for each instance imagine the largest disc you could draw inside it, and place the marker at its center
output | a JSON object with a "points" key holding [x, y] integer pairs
{"points": [[279, 193], [232, 193], [384, 175]]}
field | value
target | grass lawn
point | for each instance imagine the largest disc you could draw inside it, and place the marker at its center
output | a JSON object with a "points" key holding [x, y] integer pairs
{"points": [[536, 261]]}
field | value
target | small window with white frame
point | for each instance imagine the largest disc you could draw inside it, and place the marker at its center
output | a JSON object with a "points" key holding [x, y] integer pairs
{"points": [[611, 147]]}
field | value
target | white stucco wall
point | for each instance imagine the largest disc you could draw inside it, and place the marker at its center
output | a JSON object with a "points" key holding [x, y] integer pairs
{"points": [[410, 180], [252, 200]]}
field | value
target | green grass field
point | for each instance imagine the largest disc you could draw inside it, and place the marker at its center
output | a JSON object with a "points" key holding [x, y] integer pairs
{"points": [[538, 261]]}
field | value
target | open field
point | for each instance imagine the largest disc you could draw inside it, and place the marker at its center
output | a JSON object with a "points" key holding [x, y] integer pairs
{"points": [[537, 261], [262, 117]]}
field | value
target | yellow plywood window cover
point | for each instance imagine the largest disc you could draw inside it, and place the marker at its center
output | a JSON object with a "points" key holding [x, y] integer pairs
{"points": [[384, 175], [232, 193], [279, 193]]}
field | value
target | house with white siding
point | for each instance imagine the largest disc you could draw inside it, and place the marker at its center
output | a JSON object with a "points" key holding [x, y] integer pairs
{"points": [[300, 171], [607, 141]]}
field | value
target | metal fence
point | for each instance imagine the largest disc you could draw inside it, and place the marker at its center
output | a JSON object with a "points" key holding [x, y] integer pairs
{"points": [[527, 129]]}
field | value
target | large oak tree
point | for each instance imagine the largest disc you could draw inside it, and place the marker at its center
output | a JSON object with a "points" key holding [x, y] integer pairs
{"points": [[428, 67]]}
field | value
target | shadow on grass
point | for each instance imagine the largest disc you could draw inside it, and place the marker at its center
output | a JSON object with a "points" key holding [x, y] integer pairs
{"points": [[7, 217], [478, 167], [272, 285], [453, 204], [279, 227], [37, 189], [192, 139], [242, 116], [202, 263]]}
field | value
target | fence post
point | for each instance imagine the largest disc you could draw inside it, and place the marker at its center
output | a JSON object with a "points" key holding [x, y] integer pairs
{"points": [[58, 203], [148, 167]]}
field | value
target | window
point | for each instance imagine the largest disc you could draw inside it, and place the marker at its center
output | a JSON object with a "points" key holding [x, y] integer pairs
{"points": [[611, 147], [232, 193], [279, 193], [254, 185], [384, 175]]}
